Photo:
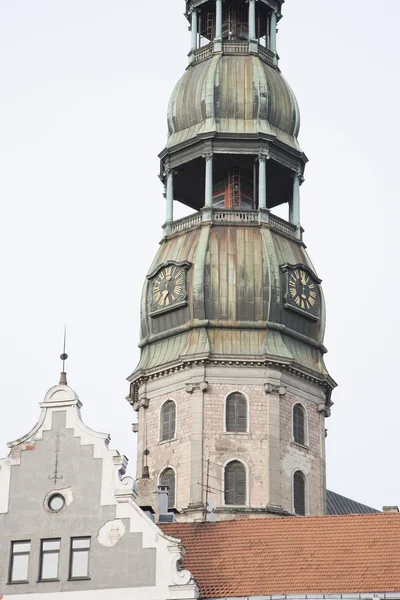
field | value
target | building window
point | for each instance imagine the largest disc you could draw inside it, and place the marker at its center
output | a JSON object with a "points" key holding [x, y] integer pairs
{"points": [[79, 558], [236, 413], [49, 559], [299, 493], [168, 421], [168, 479], [235, 483], [19, 562], [299, 424]]}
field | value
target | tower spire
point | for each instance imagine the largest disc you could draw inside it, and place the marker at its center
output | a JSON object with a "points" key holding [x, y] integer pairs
{"points": [[63, 357]]}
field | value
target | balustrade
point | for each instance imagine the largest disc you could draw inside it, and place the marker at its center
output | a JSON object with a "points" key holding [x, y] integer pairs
{"points": [[244, 217]]}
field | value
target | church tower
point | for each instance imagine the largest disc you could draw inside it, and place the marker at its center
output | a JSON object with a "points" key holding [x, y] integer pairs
{"points": [[231, 389]]}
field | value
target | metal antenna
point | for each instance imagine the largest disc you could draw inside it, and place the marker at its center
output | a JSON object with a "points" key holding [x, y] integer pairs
{"points": [[64, 356]]}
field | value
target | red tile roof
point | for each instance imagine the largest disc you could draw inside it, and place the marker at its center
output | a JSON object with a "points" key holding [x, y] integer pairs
{"points": [[293, 555]]}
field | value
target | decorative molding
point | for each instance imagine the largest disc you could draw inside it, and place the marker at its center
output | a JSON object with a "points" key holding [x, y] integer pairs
{"points": [[192, 387], [269, 388]]}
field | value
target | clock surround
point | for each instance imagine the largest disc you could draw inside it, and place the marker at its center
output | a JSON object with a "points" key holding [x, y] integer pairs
{"points": [[168, 287], [302, 291]]}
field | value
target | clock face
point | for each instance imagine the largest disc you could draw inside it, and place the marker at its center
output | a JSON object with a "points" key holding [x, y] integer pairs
{"points": [[302, 290], [168, 286]]}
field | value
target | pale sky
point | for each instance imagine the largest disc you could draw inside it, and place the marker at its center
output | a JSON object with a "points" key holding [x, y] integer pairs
{"points": [[84, 88]]}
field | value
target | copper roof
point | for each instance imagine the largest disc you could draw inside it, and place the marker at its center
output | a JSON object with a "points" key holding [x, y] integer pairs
{"points": [[293, 555]]}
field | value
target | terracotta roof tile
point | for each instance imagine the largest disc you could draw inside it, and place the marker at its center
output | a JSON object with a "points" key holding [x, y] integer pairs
{"points": [[293, 555]]}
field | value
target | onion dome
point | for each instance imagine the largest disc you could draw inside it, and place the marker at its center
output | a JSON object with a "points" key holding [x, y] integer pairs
{"points": [[233, 95]]}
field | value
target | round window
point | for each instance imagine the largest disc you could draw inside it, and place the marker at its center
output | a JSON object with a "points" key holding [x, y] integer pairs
{"points": [[56, 503]]}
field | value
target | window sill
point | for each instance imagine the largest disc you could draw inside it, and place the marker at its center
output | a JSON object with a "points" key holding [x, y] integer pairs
{"points": [[236, 433], [24, 582], [79, 578], [48, 580], [162, 442], [303, 446]]}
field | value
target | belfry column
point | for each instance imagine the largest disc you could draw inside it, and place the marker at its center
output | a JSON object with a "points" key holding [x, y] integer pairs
{"points": [[252, 26], [218, 26], [170, 197], [294, 206], [262, 188], [194, 28], [207, 211], [272, 34]]}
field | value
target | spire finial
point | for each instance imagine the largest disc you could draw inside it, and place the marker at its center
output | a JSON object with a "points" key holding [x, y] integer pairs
{"points": [[64, 356]]}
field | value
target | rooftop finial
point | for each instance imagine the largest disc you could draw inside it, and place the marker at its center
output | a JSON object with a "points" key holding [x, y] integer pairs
{"points": [[64, 356]]}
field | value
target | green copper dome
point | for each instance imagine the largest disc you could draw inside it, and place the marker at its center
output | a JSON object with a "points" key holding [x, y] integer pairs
{"points": [[233, 95]]}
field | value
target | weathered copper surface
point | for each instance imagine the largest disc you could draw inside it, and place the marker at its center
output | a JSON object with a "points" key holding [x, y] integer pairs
{"points": [[236, 289], [233, 95]]}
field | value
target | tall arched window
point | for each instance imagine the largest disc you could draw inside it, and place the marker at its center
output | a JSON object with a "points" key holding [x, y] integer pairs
{"points": [[299, 493], [299, 424], [235, 483], [168, 478], [168, 421], [236, 413]]}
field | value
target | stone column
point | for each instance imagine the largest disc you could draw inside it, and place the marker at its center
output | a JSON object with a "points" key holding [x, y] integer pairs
{"points": [[272, 35], [262, 182], [252, 20], [274, 393], [207, 211], [218, 20], [294, 206], [170, 196], [194, 28]]}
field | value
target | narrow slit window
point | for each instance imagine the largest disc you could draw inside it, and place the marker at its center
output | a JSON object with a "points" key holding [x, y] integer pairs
{"points": [[299, 493], [79, 558], [299, 424], [49, 560], [19, 563]]}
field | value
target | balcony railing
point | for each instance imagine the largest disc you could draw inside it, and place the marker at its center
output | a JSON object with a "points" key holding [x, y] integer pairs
{"points": [[185, 223], [234, 217], [236, 48], [266, 55], [203, 53]]}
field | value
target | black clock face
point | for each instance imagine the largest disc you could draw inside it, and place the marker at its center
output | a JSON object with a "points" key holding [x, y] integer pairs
{"points": [[168, 286], [302, 290]]}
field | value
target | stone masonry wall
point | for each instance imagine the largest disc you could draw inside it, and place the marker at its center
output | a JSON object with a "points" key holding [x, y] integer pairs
{"points": [[252, 448]]}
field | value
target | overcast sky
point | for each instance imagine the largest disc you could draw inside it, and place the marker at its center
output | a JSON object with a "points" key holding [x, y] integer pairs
{"points": [[84, 87]]}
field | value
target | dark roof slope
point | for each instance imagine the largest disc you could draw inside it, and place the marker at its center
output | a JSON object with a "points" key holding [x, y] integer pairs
{"points": [[293, 555], [340, 505]]}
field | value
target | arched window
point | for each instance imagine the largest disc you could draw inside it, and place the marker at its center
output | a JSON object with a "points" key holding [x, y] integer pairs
{"points": [[168, 421], [299, 493], [236, 413], [168, 478], [235, 483], [299, 424]]}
